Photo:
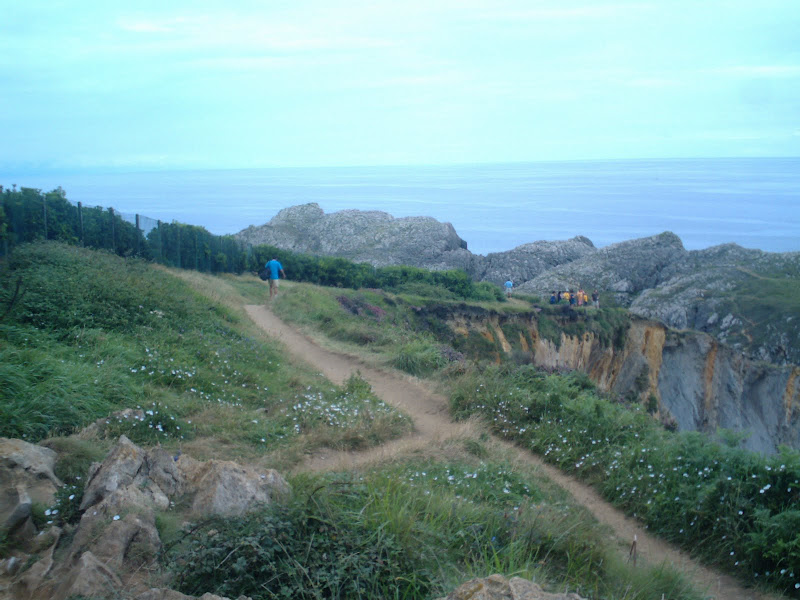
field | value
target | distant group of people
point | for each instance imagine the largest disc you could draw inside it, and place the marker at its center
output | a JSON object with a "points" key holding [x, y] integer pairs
{"points": [[573, 298]]}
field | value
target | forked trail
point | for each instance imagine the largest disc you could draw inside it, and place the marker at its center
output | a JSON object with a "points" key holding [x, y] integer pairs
{"points": [[432, 423]]}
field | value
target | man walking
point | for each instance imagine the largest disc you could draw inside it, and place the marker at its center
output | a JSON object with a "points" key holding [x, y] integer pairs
{"points": [[274, 268]]}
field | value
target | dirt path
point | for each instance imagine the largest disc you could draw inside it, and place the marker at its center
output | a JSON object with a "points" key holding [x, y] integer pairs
{"points": [[432, 422]]}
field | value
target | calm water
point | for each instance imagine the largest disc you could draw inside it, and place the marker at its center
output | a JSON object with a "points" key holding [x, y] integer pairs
{"points": [[753, 202]]}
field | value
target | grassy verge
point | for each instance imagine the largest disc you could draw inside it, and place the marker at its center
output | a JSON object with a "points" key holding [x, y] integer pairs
{"points": [[731, 507], [415, 528]]}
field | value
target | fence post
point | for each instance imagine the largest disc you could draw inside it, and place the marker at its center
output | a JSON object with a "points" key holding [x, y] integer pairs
{"points": [[80, 218], [113, 236], [44, 211], [138, 234]]}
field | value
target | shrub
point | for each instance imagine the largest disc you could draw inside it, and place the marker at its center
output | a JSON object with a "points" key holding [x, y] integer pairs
{"points": [[296, 551], [420, 358]]}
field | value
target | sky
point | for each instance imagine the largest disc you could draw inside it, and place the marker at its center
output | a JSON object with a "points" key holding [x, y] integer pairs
{"points": [[178, 84]]}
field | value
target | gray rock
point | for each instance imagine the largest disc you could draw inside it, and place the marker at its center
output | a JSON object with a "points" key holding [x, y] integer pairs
{"points": [[119, 470], [626, 268], [227, 488], [373, 237], [26, 476], [498, 587], [525, 262]]}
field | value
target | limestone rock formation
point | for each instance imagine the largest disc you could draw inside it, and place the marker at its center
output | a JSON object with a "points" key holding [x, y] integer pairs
{"points": [[363, 236], [497, 587], [117, 535], [625, 268], [525, 262], [26, 476], [741, 297]]}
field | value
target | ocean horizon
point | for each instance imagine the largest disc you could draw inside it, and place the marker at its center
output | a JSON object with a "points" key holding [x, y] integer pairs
{"points": [[754, 202]]}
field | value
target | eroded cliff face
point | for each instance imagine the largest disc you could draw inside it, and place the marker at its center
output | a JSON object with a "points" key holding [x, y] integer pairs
{"points": [[696, 381]]}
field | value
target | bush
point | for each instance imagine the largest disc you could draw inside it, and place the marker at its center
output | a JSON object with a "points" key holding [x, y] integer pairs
{"points": [[420, 358], [296, 551]]}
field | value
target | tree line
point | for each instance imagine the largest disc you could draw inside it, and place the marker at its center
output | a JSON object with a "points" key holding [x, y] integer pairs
{"points": [[28, 215]]}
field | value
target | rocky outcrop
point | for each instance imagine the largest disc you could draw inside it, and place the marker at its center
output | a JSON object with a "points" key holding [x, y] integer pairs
{"points": [[745, 298], [625, 268], [26, 476], [526, 262], [372, 237], [741, 297], [117, 536], [498, 587]]}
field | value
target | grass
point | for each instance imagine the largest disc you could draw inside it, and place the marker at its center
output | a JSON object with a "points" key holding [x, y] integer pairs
{"points": [[430, 522], [731, 507], [93, 334]]}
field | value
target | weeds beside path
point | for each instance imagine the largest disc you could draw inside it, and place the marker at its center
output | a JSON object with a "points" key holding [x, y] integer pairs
{"points": [[432, 423]]}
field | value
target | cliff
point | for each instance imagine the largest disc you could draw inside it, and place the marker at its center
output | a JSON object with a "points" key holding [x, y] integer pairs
{"points": [[687, 379], [748, 299]]}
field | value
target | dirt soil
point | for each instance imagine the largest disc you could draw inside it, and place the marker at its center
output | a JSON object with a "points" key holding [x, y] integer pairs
{"points": [[432, 422]]}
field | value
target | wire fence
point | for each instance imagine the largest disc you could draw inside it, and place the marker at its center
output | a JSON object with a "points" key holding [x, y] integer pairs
{"points": [[28, 215]]}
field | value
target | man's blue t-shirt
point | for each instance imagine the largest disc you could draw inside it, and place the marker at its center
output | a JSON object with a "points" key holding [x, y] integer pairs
{"points": [[509, 284], [274, 266]]}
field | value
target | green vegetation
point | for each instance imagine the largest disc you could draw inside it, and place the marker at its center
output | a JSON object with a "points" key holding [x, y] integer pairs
{"points": [[339, 272], [621, 449], [609, 325], [731, 507], [85, 334], [29, 215], [89, 333], [413, 529]]}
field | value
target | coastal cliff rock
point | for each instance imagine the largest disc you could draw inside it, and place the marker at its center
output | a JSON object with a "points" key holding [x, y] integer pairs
{"points": [[747, 299], [373, 237], [626, 268], [525, 262], [698, 383]]}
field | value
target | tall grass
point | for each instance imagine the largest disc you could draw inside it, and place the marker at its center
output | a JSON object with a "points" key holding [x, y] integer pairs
{"points": [[92, 333], [425, 526], [734, 508]]}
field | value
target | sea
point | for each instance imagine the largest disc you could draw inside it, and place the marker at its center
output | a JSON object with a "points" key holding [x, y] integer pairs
{"points": [[493, 207]]}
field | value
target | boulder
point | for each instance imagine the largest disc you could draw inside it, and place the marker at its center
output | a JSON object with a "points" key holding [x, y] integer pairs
{"points": [[227, 488], [131, 541], [497, 587], [26, 477], [89, 578], [120, 468], [166, 594]]}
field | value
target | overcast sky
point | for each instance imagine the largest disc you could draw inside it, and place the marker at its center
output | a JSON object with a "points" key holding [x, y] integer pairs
{"points": [[206, 84]]}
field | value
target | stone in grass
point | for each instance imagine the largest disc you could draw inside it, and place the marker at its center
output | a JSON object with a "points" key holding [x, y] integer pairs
{"points": [[497, 587]]}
